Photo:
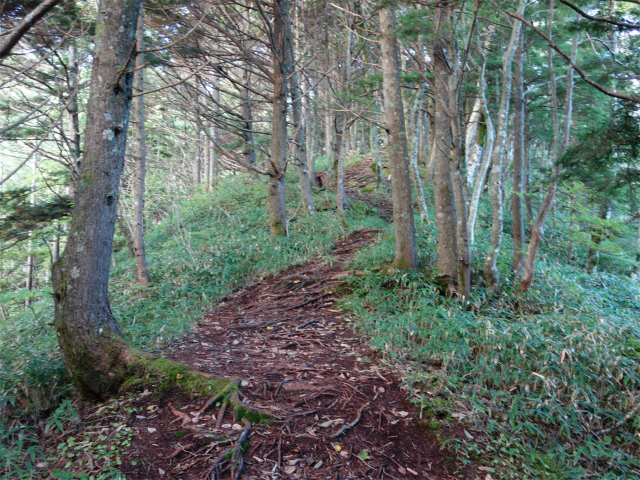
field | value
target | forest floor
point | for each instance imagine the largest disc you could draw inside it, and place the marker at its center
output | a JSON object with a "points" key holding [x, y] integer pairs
{"points": [[338, 411]]}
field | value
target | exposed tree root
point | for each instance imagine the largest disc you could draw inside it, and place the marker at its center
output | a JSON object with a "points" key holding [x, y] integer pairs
{"points": [[231, 459]]}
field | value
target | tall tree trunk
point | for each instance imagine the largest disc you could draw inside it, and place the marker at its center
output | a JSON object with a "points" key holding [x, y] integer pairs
{"points": [[462, 235], [517, 214], [538, 228], [207, 159], [342, 131], [445, 212], [527, 191], [299, 136], [339, 150], [214, 134], [93, 349], [276, 198], [74, 120], [141, 163], [424, 212], [197, 164], [308, 109], [497, 189], [328, 114], [31, 258], [405, 255], [473, 147], [375, 133]]}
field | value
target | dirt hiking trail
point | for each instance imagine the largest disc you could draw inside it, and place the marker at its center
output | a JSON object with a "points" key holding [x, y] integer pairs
{"points": [[338, 412]]}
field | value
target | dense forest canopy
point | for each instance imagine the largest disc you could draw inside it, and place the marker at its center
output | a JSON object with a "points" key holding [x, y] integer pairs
{"points": [[157, 155]]}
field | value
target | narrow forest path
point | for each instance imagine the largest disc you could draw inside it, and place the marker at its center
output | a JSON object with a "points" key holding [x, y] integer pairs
{"points": [[339, 413]]}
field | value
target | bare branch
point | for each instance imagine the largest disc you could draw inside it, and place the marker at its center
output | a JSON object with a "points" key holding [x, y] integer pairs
{"points": [[29, 21], [597, 86]]}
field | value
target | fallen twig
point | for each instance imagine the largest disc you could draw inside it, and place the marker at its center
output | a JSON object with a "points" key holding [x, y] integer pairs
{"points": [[179, 450], [349, 426], [306, 324], [257, 325]]}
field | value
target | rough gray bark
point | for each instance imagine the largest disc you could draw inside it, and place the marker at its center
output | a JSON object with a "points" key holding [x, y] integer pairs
{"points": [[497, 190], [276, 199], [405, 254], [90, 340], [141, 163], [247, 113], [463, 249]]}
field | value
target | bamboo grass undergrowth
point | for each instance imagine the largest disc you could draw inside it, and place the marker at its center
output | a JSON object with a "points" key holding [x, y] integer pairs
{"points": [[542, 373]]}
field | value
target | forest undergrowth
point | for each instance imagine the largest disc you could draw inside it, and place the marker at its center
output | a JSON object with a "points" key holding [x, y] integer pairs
{"points": [[545, 383]]}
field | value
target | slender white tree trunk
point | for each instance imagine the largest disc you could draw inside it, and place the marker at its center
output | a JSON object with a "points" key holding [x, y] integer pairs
{"points": [[490, 263]]}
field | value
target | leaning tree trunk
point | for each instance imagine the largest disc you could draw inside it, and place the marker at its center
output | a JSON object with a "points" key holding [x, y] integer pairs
{"points": [[405, 255], [278, 163], [538, 228], [141, 161], [491, 260], [91, 343]]}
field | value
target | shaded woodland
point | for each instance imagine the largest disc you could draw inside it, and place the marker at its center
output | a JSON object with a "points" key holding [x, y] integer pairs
{"points": [[158, 157]]}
